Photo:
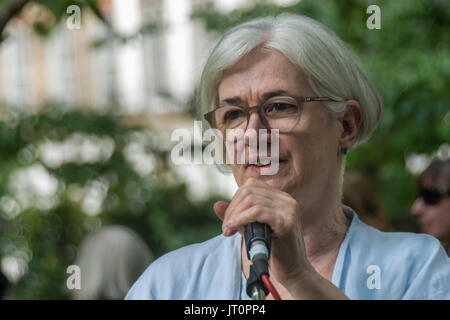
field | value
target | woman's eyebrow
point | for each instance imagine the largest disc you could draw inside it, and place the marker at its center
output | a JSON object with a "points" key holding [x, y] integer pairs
{"points": [[236, 100], [231, 101], [274, 93]]}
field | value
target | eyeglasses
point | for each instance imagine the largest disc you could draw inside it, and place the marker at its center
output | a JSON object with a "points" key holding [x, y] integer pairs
{"points": [[280, 112], [432, 197]]}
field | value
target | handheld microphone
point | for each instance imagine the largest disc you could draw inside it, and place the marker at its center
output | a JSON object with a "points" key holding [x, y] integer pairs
{"points": [[257, 242]]}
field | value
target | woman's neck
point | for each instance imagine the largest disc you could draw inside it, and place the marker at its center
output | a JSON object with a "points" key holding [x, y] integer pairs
{"points": [[324, 229]]}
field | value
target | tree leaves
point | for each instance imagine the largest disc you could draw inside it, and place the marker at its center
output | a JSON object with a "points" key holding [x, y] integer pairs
{"points": [[164, 216]]}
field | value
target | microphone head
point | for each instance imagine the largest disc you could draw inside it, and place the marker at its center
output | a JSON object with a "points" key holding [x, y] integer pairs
{"points": [[257, 236]]}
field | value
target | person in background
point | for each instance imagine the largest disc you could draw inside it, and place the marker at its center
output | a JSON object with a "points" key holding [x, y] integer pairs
{"points": [[110, 261], [361, 196], [432, 206]]}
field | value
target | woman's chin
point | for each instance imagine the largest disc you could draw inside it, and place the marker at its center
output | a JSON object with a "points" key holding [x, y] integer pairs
{"points": [[274, 176], [276, 181]]}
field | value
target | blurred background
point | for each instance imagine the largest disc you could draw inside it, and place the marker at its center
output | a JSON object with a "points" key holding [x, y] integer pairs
{"points": [[88, 104]]}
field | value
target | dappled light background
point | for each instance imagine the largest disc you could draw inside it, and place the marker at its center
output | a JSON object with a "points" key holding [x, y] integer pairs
{"points": [[86, 117]]}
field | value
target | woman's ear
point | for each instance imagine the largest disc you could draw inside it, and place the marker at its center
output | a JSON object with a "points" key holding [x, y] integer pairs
{"points": [[351, 122]]}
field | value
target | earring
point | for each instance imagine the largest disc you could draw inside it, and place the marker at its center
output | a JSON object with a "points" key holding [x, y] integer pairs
{"points": [[343, 151]]}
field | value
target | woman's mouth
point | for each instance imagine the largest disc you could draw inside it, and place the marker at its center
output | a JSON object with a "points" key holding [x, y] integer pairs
{"points": [[264, 164]]}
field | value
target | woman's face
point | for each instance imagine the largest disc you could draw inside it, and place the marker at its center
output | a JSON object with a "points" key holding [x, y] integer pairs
{"points": [[309, 154], [433, 219]]}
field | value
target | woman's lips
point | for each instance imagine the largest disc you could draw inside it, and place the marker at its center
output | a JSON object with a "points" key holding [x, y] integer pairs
{"points": [[258, 169], [252, 161]]}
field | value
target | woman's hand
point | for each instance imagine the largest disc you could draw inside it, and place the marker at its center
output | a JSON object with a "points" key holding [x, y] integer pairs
{"points": [[256, 201]]}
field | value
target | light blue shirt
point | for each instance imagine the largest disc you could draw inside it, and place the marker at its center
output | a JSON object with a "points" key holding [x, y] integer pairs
{"points": [[370, 265]]}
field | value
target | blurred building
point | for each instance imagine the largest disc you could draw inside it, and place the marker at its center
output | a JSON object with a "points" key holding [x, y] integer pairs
{"points": [[151, 77], [148, 73]]}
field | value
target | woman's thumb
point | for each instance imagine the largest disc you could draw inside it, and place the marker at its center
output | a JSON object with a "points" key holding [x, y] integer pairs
{"points": [[219, 208]]}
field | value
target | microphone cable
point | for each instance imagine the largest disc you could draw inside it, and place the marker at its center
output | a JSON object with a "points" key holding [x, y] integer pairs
{"points": [[265, 279]]}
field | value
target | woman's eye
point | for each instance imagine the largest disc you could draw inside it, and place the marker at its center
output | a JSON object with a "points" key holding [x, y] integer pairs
{"points": [[280, 107], [233, 115]]}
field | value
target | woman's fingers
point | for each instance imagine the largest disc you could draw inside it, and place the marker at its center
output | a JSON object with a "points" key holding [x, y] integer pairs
{"points": [[240, 202], [256, 201], [281, 221], [242, 197], [246, 198], [245, 190]]}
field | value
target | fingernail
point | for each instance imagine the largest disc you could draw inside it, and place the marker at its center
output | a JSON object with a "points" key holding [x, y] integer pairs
{"points": [[227, 228], [229, 232], [224, 227]]}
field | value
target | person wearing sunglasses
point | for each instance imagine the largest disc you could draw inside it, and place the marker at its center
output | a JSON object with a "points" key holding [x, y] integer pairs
{"points": [[292, 80], [432, 206]]}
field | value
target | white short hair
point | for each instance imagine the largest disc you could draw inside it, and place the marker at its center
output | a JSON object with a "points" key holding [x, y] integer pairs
{"points": [[330, 67], [110, 261]]}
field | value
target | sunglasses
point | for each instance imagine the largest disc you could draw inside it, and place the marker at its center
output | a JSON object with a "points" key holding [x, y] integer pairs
{"points": [[432, 196]]}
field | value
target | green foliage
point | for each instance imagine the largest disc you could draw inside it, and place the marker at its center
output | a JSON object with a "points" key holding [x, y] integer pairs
{"points": [[49, 238], [408, 59], [57, 9]]}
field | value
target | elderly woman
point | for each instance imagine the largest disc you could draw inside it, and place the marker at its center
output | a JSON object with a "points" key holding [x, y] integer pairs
{"points": [[292, 74]]}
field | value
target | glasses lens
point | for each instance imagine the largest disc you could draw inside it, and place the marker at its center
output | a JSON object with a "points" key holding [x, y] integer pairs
{"points": [[282, 113], [229, 117], [430, 197]]}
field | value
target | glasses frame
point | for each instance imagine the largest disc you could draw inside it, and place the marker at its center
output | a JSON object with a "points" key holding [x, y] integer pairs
{"points": [[209, 116]]}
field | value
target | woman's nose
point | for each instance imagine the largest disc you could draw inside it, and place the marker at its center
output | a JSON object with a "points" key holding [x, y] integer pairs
{"points": [[257, 130], [418, 207], [255, 121]]}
